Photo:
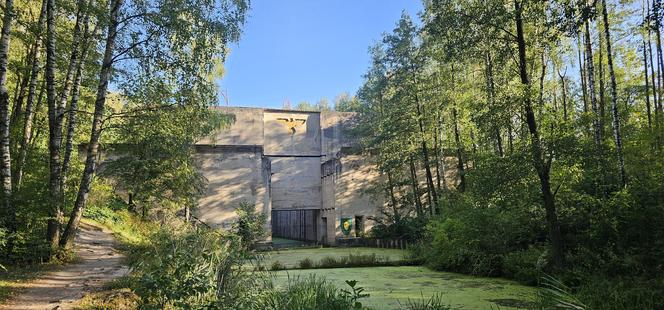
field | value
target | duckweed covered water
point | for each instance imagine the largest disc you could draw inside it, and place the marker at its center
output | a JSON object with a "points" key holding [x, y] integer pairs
{"points": [[391, 286]]}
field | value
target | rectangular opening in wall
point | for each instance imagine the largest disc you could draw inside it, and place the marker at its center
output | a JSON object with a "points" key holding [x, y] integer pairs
{"points": [[359, 225], [323, 230]]}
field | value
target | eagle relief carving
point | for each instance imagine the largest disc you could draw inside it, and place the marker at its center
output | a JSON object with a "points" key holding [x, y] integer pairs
{"points": [[292, 123]]}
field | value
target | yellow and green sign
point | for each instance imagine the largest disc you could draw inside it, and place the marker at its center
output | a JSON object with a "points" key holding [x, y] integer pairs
{"points": [[346, 225]]}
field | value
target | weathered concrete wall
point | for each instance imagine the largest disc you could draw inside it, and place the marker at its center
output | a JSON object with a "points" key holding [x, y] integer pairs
{"points": [[351, 197], [333, 125], [233, 176], [246, 129], [296, 183], [291, 133]]}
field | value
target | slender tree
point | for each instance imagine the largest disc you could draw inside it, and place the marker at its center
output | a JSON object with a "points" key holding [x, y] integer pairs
{"points": [[5, 164], [617, 135], [647, 88], [590, 72], [29, 106], [67, 239], [541, 163], [75, 93]]}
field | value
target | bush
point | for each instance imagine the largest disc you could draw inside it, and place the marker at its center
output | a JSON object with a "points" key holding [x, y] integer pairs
{"points": [[601, 292], [277, 265], [474, 236], [306, 263], [187, 267], [250, 225], [525, 265], [352, 260], [406, 228]]}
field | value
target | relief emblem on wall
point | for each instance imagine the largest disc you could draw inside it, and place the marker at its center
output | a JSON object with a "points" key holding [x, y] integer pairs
{"points": [[292, 123], [346, 224]]}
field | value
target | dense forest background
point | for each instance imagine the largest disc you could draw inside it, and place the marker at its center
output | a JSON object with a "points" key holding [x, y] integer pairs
{"points": [[551, 113]]}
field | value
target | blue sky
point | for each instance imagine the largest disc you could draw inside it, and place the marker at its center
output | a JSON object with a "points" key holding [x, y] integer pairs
{"points": [[302, 50]]}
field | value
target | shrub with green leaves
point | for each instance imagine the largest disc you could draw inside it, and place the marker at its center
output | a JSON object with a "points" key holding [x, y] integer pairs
{"points": [[191, 268], [250, 225], [277, 265], [306, 263]]}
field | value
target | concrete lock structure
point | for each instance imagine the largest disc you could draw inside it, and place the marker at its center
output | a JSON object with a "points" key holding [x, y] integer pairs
{"points": [[297, 167]]}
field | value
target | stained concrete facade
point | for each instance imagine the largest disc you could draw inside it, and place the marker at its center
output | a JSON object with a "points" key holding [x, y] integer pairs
{"points": [[292, 166]]}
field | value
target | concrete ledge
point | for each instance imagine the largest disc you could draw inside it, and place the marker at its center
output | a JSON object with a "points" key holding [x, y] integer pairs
{"points": [[207, 148]]}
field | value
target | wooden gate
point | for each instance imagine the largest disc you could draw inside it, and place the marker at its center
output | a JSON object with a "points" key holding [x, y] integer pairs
{"points": [[295, 224]]}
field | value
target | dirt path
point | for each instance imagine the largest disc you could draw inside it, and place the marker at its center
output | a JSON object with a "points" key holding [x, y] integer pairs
{"points": [[99, 263]]}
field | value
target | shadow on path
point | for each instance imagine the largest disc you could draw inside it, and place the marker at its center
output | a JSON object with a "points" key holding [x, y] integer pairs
{"points": [[99, 263]]}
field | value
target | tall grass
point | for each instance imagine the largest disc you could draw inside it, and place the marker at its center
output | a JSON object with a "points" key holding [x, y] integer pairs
{"points": [[436, 302], [311, 293]]}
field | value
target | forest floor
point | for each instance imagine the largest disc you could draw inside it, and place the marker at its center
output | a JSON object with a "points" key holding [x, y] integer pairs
{"points": [[98, 263]]}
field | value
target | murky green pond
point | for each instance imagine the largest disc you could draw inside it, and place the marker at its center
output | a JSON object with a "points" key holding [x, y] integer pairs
{"points": [[391, 286]]}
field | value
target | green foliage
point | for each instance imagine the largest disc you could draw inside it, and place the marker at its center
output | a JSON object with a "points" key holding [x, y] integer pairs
{"points": [[250, 225], [277, 265], [313, 293], [601, 292], [525, 265], [475, 239], [306, 263], [351, 260], [161, 174], [407, 228], [354, 294], [553, 294], [191, 268], [344, 102]]}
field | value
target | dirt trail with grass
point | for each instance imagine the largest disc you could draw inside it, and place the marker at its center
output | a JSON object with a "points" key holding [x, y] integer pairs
{"points": [[98, 264]]}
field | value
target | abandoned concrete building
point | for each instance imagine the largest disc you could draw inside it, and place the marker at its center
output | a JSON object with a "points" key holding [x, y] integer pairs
{"points": [[295, 167]]}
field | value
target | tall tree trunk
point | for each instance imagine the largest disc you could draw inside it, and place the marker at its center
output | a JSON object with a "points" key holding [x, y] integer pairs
{"points": [[29, 106], [436, 151], [542, 165], [541, 86], [653, 79], [564, 92], [75, 93], [23, 77], [602, 88], [8, 214], [647, 89], [441, 149], [393, 198], [510, 136], [590, 71], [39, 123], [55, 132], [425, 155], [416, 188], [582, 75], [459, 151], [490, 93], [93, 145], [660, 63], [614, 98]]}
